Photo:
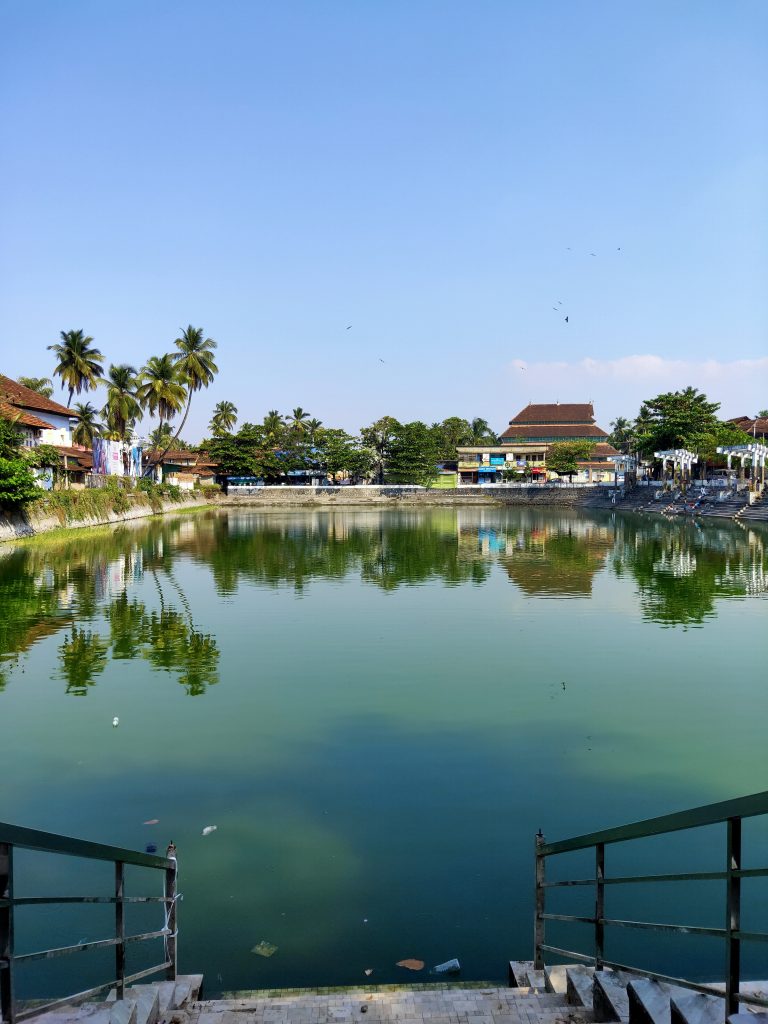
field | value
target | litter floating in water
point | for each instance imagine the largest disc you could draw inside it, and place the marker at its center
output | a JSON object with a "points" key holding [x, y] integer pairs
{"points": [[368, 972], [449, 967], [152, 821], [115, 722], [264, 948], [150, 848], [363, 1009], [208, 829], [411, 964]]}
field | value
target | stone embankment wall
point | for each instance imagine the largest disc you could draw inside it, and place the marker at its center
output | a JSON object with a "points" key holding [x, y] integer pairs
{"points": [[36, 521], [303, 497]]}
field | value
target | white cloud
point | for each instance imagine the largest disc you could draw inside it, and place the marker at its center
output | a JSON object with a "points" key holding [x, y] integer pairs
{"points": [[618, 386]]}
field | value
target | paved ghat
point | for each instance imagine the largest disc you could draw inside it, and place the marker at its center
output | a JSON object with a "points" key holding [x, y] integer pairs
{"points": [[434, 1004]]}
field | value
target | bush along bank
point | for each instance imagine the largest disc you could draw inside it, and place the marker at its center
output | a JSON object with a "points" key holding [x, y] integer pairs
{"points": [[94, 506]]}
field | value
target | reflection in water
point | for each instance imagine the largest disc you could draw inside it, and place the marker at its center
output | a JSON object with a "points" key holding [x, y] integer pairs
{"points": [[86, 587]]}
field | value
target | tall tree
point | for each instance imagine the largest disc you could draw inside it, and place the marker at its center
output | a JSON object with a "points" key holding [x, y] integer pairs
{"points": [[79, 365], [481, 432], [224, 418], [122, 408], [676, 419], [196, 368], [274, 426], [160, 389], [298, 420], [314, 427], [378, 437], [451, 433], [42, 385], [412, 455], [622, 435], [87, 426]]}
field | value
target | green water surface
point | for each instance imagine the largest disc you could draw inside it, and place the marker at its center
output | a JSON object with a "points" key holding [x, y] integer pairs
{"points": [[377, 709]]}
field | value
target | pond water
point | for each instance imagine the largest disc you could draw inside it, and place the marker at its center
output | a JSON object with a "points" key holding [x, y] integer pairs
{"points": [[377, 709]]}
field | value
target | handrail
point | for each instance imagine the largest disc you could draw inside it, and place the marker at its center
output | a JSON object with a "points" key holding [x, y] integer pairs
{"points": [[14, 837], [52, 842], [709, 814], [729, 812]]}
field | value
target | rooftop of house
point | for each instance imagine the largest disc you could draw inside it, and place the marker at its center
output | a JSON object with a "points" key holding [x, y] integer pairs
{"points": [[555, 413], [18, 415], [519, 431], [25, 398], [750, 424], [82, 456]]}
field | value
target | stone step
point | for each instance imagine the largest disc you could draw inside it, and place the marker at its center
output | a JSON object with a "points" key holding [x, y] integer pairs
{"points": [[696, 1008], [610, 1001], [124, 1011], [518, 973], [649, 1001], [579, 983], [555, 979]]}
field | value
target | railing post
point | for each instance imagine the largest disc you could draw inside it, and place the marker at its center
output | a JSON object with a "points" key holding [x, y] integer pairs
{"points": [[170, 913], [538, 925], [599, 903], [120, 928], [733, 918], [6, 934]]}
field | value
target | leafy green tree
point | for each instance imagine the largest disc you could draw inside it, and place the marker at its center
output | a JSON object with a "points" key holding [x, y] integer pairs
{"points": [[451, 433], [160, 389], [412, 455], [42, 385], [378, 438], [17, 481], [78, 364], [762, 414], [314, 429], [224, 418], [675, 419], [122, 408], [236, 453], [563, 457], [341, 453], [87, 426]]}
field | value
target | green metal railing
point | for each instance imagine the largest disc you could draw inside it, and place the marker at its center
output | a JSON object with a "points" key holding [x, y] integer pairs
{"points": [[730, 812], [13, 837]]}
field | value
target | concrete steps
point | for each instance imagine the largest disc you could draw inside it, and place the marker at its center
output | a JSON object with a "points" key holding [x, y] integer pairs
{"points": [[143, 1004], [614, 997]]}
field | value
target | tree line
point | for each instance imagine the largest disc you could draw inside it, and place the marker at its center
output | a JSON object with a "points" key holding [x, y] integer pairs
{"points": [[386, 451]]}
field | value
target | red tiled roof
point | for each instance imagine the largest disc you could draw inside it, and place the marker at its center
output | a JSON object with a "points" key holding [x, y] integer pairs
{"points": [[604, 450], [556, 413], [758, 424], [14, 414], [26, 398], [83, 456], [516, 432]]}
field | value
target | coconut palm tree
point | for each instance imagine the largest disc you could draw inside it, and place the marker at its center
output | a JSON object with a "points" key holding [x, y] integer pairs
{"points": [[87, 426], [273, 425], [298, 420], [224, 418], [481, 431], [79, 365], [622, 434], [42, 385], [314, 426], [122, 407], [160, 389]]}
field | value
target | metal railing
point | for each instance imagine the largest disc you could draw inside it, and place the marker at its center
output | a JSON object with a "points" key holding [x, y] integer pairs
{"points": [[730, 812], [14, 837]]}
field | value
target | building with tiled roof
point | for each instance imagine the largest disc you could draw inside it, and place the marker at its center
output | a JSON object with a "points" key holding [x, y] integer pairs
{"points": [[40, 419], [524, 444], [757, 426]]}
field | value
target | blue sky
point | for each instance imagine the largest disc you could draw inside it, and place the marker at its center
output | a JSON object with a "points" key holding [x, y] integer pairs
{"points": [[434, 174]]}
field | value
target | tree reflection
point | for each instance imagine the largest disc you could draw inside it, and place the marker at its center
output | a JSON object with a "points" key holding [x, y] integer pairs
{"points": [[83, 656], [126, 579]]}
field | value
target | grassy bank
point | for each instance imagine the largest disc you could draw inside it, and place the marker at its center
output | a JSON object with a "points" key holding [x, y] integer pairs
{"points": [[101, 502]]}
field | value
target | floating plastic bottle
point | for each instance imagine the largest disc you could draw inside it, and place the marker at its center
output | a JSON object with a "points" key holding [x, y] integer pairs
{"points": [[449, 967]]}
